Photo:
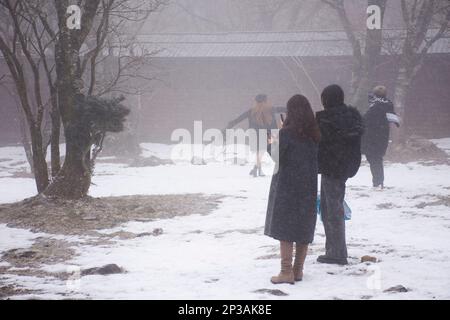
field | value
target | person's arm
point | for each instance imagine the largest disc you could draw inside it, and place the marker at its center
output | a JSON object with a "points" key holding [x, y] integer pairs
{"points": [[239, 119], [278, 148], [391, 116]]}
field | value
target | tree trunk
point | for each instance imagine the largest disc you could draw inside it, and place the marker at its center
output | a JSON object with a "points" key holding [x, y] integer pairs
{"points": [[356, 76], [56, 129], [401, 89], [371, 58], [39, 163], [359, 94], [25, 136], [364, 62], [74, 178]]}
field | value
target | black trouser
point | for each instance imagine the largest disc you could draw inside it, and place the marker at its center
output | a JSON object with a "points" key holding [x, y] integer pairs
{"points": [[332, 193], [376, 167]]}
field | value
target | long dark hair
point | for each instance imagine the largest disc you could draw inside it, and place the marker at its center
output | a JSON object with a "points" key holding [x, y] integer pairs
{"points": [[300, 118]]}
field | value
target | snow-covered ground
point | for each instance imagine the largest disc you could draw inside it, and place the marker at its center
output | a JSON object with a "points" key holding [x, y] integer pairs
{"points": [[224, 255]]}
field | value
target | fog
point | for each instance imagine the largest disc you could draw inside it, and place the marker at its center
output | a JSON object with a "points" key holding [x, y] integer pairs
{"points": [[210, 58], [166, 145]]}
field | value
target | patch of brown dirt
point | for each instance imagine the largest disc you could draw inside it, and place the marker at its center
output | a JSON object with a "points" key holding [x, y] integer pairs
{"points": [[12, 290], [441, 201], [83, 217], [417, 149], [43, 251]]}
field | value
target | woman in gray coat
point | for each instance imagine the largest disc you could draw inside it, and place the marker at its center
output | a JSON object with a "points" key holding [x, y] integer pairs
{"points": [[291, 211]]}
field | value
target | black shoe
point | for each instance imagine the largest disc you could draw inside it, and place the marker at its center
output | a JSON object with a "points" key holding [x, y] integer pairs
{"points": [[328, 260], [260, 172], [254, 171]]}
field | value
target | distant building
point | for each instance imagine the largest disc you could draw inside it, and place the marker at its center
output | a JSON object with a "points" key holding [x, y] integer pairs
{"points": [[214, 78]]}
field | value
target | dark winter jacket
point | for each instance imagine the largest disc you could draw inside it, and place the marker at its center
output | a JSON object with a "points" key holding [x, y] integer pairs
{"points": [[341, 128], [376, 136], [291, 210], [252, 123]]}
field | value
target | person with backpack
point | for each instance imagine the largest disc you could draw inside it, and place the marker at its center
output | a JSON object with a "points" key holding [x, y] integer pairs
{"points": [[339, 158]]}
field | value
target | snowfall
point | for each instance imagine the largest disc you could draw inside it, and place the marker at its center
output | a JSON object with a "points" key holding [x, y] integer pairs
{"points": [[225, 255]]}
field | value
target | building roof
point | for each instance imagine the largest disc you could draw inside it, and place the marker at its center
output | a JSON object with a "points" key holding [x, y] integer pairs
{"points": [[265, 44]]}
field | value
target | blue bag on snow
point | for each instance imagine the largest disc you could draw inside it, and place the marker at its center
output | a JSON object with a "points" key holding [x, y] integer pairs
{"points": [[347, 210]]}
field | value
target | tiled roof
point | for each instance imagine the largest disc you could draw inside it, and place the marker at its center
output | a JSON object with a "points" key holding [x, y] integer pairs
{"points": [[268, 44]]}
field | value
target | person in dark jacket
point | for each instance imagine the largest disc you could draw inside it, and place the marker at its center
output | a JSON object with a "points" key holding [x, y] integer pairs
{"points": [[376, 136], [261, 117], [339, 157], [291, 210]]}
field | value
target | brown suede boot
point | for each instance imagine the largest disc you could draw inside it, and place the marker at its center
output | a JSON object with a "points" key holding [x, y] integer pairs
{"points": [[286, 274], [301, 250]]}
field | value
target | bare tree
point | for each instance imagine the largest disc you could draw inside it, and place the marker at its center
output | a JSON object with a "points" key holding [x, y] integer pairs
{"points": [[74, 178], [426, 21], [366, 49], [17, 47], [36, 28]]}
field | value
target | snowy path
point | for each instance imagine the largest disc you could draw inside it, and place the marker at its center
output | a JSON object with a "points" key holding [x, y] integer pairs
{"points": [[224, 255]]}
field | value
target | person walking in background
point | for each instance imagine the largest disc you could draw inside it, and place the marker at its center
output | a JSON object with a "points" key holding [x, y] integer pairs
{"points": [[339, 157], [376, 136], [261, 117], [291, 211]]}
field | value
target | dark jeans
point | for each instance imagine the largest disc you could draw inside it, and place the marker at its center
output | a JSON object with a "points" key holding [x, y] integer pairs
{"points": [[376, 167], [332, 192]]}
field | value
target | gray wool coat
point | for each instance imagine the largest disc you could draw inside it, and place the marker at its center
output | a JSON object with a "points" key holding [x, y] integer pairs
{"points": [[291, 210]]}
